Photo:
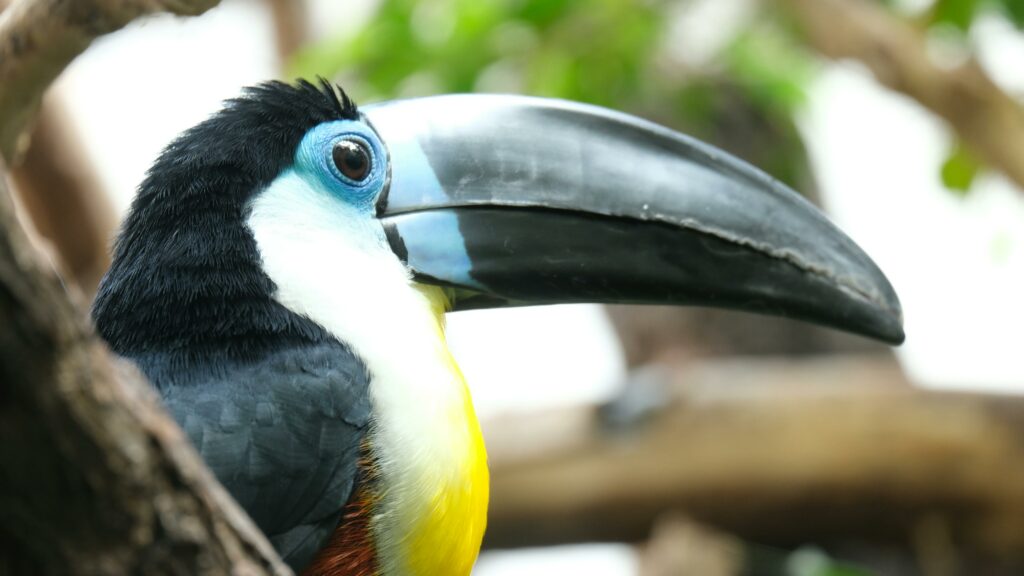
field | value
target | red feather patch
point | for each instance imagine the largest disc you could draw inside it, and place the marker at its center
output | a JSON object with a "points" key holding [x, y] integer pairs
{"points": [[350, 551]]}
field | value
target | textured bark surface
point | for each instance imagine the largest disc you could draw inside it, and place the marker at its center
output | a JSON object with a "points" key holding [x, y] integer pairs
{"points": [[96, 478], [986, 118], [839, 452]]}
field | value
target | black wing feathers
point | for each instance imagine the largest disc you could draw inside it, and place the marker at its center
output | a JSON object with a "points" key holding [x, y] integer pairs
{"points": [[283, 436]]}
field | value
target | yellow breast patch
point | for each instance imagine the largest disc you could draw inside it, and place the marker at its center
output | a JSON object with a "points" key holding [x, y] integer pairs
{"points": [[434, 498], [447, 539]]}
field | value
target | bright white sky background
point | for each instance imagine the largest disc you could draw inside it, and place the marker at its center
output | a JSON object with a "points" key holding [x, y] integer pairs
{"points": [[958, 264]]}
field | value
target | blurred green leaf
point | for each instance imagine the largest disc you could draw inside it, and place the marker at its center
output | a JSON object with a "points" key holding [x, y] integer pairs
{"points": [[960, 169], [837, 570], [605, 52], [1014, 10], [544, 12], [696, 102], [957, 13], [770, 64]]}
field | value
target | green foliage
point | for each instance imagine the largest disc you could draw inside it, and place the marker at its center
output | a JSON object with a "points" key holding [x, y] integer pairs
{"points": [[606, 52], [960, 169], [1014, 10], [839, 570], [611, 53], [961, 14], [771, 65], [956, 13], [590, 51]]}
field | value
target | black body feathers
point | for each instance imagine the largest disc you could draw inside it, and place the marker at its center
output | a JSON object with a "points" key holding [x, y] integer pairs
{"points": [[283, 435]]}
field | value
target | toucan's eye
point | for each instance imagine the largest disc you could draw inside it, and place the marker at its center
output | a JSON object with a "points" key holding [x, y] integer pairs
{"points": [[352, 158]]}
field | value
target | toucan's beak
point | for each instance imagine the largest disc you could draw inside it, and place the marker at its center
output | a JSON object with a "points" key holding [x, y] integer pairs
{"points": [[516, 200]]}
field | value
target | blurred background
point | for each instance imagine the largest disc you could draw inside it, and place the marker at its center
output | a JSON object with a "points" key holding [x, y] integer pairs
{"points": [[663, 441]]}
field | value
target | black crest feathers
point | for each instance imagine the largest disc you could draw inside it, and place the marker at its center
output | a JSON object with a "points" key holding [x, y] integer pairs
{"points": [[256, 132], [186, 277]]}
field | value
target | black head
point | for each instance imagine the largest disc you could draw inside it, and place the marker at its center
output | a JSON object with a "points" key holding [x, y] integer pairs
{"points": [[186, 280]]}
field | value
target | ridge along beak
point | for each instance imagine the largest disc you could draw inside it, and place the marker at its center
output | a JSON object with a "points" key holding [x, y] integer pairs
{"points": [[511, 200]]}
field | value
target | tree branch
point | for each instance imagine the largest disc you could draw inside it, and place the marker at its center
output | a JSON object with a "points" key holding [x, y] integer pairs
{"points": [[38, 38], [96, 479], [985, 117], [62, 193], [783, 453], [289, 26]]}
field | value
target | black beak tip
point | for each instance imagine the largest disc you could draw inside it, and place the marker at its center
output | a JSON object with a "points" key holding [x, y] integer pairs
{"points": [[893, 330], [881, 315]]}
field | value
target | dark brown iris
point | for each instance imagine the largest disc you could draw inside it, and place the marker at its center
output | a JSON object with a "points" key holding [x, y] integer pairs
{"points": [[352, 159]]}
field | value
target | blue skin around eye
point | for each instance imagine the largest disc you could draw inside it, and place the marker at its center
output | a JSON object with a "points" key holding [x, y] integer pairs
{"points": [[433, 241], [314, 159]]}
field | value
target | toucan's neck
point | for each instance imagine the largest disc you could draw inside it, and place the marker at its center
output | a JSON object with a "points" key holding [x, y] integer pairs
{"points": [[339, 270], [186, 284]]}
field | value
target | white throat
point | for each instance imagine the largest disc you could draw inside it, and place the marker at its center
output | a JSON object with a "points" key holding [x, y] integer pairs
{"points": [[335, 267]]}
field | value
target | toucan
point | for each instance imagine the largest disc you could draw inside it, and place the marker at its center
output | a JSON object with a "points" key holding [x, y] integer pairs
{"points": [[284, 271]]}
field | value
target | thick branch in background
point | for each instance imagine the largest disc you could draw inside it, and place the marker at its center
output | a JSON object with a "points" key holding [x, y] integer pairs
{"points": [[96, 478], [38, 38], [830, 451], [290, 29], [675, 335], [985, 117], [62, 193]]}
